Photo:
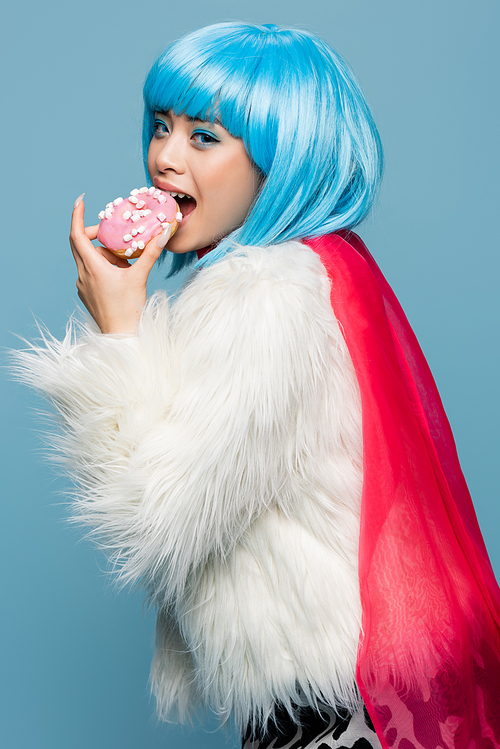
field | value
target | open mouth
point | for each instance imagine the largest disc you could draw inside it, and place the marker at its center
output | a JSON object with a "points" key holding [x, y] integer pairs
{"points": [[186, 203]]}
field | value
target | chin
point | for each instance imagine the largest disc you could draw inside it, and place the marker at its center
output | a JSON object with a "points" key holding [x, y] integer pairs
{"points": [[178, 251], [180, 247]]}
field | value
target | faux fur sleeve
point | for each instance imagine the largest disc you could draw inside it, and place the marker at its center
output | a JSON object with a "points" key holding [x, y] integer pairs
{"points": [[181, 437]]}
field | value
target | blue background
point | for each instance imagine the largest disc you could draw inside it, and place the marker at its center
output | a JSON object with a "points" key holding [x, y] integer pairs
{"points": [[76, 653]]}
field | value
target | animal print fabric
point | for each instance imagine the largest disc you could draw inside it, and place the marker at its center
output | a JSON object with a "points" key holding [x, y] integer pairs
{"points": [[317, 730]]}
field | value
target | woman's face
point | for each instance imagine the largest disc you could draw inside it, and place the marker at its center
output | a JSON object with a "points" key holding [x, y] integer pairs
{"points": [[211, 169]]}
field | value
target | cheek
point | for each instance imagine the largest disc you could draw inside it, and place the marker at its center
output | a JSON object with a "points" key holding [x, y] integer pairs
{"points": [[242, 194], [151, 160], [224, 209], [233, 193]]}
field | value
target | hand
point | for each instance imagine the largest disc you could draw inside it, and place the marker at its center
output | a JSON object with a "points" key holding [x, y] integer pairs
{"points": [[112, 289]]}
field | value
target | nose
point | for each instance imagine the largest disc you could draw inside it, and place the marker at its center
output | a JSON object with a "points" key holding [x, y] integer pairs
{"points": [[170, 156]]}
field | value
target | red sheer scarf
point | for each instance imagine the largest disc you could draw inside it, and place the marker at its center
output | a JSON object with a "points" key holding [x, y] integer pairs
{"points": [[429, 657]]}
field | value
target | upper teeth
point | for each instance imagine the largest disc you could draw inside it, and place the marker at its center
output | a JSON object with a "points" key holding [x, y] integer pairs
{"points": [[178, 194]]}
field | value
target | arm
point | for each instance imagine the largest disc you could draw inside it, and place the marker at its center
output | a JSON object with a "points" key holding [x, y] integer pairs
{"points": [[182, 436]]}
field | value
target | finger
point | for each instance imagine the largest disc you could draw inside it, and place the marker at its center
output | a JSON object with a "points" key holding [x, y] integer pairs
{"points": [[110, 257], [77, 222], [77, 235], [91, 231], [80, 237], [78, 231], [120, 262], [164, 237], [151, 253]]}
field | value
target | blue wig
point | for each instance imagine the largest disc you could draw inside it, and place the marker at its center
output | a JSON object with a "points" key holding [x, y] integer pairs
{"points": [[300, 113]]}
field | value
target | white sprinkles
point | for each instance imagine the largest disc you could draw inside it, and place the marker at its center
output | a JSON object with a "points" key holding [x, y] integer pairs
{"points": [[137, 214]]}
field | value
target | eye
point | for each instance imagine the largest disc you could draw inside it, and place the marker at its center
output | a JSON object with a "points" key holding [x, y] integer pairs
{"points": [[203, 138], [160, 128]]}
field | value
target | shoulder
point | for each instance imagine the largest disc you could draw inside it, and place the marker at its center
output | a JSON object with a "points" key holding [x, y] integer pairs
{"points": [[275, 262], [283, 274]]}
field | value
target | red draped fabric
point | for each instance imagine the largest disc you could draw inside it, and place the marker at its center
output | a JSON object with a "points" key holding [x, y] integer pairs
{"points": [[429, 656]]}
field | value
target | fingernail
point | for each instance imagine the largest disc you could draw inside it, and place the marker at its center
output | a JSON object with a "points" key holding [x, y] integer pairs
{"points": [[164, 237], [78, 200]]}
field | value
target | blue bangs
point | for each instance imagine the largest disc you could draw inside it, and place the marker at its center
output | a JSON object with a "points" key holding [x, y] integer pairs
{"points": [[300, 114], [212, 76]]}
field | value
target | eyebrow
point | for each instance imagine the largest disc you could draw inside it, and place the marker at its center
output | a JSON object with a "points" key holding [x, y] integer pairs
{"points": [[215, 121]]}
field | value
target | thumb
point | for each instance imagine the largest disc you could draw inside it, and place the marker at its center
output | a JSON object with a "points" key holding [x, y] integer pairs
{"points": [[152, 251]]}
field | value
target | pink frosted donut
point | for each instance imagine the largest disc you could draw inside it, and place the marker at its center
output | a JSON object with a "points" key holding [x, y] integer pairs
{"points": [[128, 224]]}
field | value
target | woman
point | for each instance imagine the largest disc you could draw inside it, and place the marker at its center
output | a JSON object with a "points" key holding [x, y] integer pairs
{"points": [[269, 455]]}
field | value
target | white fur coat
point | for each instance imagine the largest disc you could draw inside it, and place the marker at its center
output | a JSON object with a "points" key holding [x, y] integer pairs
{"points": [[217, 455]]}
